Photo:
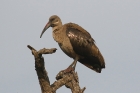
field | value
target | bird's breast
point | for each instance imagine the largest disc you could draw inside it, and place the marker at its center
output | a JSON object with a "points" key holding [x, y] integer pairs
{"points": [[67, 48], [62, 39]]}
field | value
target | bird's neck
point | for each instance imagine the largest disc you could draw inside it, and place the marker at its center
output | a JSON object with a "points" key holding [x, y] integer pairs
{"points": [[58, 34]]}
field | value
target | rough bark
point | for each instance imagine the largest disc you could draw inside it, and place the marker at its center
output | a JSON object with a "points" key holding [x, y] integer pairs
{"points": [[70, 80]]}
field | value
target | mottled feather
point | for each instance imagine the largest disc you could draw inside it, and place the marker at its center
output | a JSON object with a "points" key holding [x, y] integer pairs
{"points": [[84, 45]]}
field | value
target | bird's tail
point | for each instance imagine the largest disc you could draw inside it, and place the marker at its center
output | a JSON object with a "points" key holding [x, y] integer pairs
{"points": [[93, 63]]}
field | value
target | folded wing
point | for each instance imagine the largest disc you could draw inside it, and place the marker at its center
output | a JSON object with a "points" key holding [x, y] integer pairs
{"points": [[84, 45]]}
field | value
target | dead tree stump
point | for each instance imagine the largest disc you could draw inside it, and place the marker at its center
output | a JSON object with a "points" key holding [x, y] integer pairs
{"points": [[70, 80]]}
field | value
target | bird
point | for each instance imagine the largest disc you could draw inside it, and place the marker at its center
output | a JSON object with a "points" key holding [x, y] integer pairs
{"points": [[76, 43]]}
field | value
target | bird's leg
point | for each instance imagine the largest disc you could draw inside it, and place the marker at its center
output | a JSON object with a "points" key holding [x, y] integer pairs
{"points": [[72, 66]]}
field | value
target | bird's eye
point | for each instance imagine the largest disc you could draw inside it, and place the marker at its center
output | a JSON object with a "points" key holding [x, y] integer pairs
{"points": [[52, 19]]}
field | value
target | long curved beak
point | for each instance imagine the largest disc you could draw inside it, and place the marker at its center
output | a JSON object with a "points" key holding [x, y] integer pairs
{"points": [[45, 28]]}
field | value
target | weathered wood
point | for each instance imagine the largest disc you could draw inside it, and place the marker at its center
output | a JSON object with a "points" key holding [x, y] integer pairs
{"points": [[70, 80]]}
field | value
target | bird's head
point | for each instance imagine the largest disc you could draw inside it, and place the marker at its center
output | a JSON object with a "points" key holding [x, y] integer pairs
{"points": [[54, 21]]}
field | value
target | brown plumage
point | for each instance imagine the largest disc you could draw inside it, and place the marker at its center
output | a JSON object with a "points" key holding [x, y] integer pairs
{"points": [[77, 43]]}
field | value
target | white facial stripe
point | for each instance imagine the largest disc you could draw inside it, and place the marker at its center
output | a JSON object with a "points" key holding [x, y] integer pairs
{"points": [[57, 22]]}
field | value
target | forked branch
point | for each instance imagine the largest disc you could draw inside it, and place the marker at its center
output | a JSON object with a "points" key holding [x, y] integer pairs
{"points": [[70, 80]]}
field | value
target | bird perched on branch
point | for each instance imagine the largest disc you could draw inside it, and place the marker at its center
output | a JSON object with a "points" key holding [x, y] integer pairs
{"points": [[77, 43]]}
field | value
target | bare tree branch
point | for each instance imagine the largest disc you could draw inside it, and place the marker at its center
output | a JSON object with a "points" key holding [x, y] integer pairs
{"points": [[70, 80]]}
